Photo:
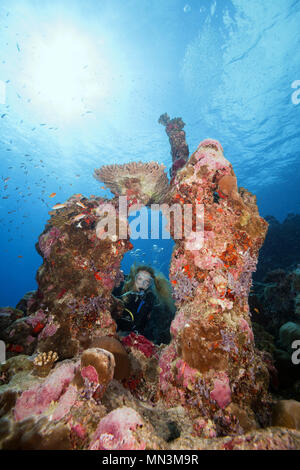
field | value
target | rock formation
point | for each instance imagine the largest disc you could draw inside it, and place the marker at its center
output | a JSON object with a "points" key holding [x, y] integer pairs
{"points": [[207, 389]]}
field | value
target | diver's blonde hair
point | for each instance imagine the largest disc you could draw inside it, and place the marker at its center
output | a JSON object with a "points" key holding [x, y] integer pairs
{"points": [[163, 289]]}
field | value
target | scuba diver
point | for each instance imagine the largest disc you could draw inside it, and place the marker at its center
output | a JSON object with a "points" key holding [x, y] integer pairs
{"points": [[143, 291]]}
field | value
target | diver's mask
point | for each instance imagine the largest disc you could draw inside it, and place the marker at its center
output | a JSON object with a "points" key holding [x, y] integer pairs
{"points": [[143, 281]]}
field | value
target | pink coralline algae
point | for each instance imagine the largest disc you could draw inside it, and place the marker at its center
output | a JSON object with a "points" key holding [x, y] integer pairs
{"points": [[79, 430], [141, 343], [246, 329], [210, 153], [65, 403], [184, 287], [186, 374], [204, 428], [49, 330], [47, 240], [177, 324], [37, 399], [165, 374], [90, 373], [116, 431], [221, 392]]}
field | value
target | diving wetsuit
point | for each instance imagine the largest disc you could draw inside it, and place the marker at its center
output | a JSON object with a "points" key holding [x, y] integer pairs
{"points": [[137, 310]]}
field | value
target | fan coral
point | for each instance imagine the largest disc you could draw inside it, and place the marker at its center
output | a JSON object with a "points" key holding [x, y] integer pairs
{"points": [[145, 183]]}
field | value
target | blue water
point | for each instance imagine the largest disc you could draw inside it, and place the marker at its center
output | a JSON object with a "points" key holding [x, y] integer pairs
{"points": [[83, 83]]}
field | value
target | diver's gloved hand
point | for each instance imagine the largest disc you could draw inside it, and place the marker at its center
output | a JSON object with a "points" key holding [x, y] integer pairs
{"points": [[118, 299], [134, 292]]}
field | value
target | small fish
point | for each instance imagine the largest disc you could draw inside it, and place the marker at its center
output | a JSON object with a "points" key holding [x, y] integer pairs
{"points": [[81, 205], [20, 256], [3, 115], [52, 194], [79, 217], [78, 195], [6, 179], [58, 206], [96, 275], [92, 196], [256, 310]]}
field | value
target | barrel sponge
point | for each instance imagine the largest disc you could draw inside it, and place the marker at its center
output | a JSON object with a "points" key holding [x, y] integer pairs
{"points": [[122, 367], [288, 333], [286, 413], [101, 361]]}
